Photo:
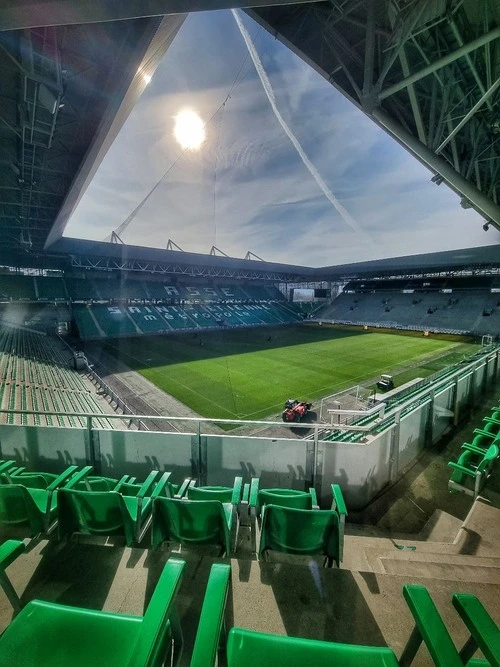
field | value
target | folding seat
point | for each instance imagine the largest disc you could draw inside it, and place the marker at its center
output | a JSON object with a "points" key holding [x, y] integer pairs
{"points": [[472, 470], [293, 499], [225, 494], [302, 533], [190, 522], [45, 634], [490, 429], [35, 507], [430, 629], [41, 480], [305, 500], [168, 489], [257, 649], [108, 512]]}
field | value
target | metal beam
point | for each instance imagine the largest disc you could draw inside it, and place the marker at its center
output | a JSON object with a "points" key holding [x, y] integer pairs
{"points": [[437, 164], [441, 62], [468, 60], [19, 14], [488, 93]]}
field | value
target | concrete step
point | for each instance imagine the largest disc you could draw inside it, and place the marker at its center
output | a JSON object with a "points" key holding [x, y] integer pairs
{"points": [[453, 567], [482, 527], [441, 527]]}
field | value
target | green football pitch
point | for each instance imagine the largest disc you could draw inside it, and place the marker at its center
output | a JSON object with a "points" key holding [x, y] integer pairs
{"points": [[248, 374]]}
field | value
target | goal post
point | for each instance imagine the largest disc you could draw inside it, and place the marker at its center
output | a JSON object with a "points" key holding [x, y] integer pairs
{"points": [[354, 398]]}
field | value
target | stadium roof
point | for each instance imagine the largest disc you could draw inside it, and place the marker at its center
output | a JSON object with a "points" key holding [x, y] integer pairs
{"points": [[70, 73], [76, 254], [427, 72]]}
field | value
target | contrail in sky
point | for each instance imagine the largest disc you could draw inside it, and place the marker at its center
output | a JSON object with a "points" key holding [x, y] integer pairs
{"points": [[266, 84]]}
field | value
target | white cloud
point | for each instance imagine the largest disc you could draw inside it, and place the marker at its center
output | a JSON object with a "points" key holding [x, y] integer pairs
{"points": [[266, 200]]}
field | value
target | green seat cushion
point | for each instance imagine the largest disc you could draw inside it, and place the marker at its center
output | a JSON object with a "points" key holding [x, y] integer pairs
{"points": [[256, 649], [56, 635]]}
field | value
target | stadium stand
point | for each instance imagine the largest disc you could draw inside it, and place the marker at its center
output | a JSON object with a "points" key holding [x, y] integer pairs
{"points": [[416, 307], [113, 320], [35, 375], [81, 290], [50, 289], [17, 287]]}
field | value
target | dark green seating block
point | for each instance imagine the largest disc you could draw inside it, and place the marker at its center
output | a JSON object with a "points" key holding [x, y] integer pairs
{"points": [[255, 649], [485, 634], [49, 634], [192, 522], [301, 532]]}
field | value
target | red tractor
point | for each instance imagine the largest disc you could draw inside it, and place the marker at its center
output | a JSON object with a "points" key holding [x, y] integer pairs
{"points": [[295, 410]]}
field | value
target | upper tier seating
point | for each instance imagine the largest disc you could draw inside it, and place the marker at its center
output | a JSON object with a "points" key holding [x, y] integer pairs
{"points": [[16, 288], [51, 289]]}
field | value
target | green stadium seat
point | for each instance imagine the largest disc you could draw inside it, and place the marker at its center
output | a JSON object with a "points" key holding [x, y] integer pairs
{"points": [[190, 522], [106, 512], [305, 500], [244, 648], [224, 494], [36, 508], [9, 551], [430, 629], [472, 470], [485, 634], [47, 634], [163, 487], [302, 533]]}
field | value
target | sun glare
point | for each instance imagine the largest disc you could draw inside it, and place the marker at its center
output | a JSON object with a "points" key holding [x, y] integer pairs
{"points": [[189, 130]]}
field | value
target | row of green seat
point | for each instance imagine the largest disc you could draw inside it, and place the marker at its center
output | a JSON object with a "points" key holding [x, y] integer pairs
{"points": [[47, 633], [288, 521], [477, 459]]}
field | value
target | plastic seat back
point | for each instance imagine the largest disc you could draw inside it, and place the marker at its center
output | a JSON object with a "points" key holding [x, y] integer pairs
{"points": [[93, 513], [17, 508], [186, 522], [300, 500], [301, 532], [491, 455], [223, 494]]}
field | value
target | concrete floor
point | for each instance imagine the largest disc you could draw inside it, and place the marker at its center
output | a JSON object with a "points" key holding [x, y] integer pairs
{"points": [[298, 600]]}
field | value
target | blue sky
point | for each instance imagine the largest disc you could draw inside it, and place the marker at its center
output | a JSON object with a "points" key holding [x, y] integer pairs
{"points": [[247, 188]]}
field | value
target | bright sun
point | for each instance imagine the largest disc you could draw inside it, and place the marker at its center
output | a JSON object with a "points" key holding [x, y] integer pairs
{"points": [[189, 130]]}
